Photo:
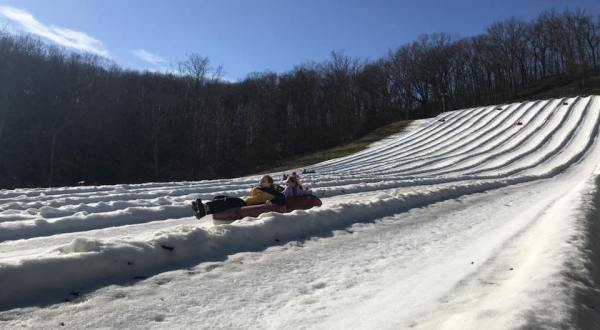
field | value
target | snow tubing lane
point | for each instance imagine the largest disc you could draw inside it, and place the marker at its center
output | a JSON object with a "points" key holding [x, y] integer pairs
{"points": [[294, 203]]}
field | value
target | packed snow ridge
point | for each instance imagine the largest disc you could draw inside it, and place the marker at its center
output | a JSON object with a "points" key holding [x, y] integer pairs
{"points": [[57, 241]]}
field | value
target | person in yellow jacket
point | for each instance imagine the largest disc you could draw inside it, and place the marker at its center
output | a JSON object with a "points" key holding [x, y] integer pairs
{"points": [[264, 193]]}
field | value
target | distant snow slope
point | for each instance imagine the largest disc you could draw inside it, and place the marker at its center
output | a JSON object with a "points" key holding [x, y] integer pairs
{"points": [[473, 219]]}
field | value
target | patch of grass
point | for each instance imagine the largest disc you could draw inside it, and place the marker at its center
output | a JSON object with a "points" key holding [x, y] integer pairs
{"points": [[560, 86], [342, 150]]}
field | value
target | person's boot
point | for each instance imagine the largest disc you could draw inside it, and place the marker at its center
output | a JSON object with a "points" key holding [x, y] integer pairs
{"points": [[198, 208]]}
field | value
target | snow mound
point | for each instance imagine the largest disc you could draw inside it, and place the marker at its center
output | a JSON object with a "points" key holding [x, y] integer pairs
{"points": [[82, 245]]}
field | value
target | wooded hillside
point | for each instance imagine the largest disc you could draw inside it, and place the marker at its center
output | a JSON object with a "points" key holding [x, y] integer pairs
{"points": [[67, 117]]}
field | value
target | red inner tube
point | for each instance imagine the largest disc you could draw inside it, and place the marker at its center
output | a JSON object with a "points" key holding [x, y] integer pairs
{"points": [[293, 203], [302, 202]]}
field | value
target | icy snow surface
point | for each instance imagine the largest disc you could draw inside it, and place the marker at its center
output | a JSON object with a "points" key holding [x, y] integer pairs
{"points": [[472, 222]]}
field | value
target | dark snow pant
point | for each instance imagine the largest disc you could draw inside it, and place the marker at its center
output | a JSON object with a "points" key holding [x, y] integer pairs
{"points": [[222, 203]]}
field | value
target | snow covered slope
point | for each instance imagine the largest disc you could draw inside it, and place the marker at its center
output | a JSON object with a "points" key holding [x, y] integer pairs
{"points": [[475, 218]]}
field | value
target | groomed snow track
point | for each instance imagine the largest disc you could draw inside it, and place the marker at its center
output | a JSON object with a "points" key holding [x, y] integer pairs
{"points": [[58, 240]]}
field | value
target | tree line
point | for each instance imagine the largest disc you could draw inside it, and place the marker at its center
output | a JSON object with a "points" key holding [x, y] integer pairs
{"points": [[68, 117]]}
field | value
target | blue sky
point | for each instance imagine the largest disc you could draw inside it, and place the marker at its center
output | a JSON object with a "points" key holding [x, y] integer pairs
{"points": [[260, 35]]}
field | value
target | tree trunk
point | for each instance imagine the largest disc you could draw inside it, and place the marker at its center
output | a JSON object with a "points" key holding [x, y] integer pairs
{"points": [[4, 101], [52, 158], [2, 122]]}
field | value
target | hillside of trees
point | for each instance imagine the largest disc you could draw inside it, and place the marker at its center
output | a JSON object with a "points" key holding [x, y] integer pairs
{"points": [[68, 117]]}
